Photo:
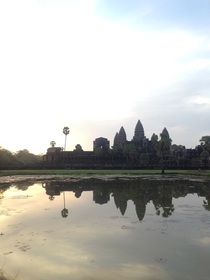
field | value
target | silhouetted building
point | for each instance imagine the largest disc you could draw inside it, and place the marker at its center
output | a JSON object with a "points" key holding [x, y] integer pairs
{"points": [[101, 144], [139, 152], [139, 132], [101, 195]]}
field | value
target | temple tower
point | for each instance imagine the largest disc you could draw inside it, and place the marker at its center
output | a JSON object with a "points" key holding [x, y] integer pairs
{"points": [[139, 132], [116, 140], [122, 135], [101, 143], [120, 138]]}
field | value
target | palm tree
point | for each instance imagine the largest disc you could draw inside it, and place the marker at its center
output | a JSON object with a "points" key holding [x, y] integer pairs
{"points": [[66, 132], [65, 211]]}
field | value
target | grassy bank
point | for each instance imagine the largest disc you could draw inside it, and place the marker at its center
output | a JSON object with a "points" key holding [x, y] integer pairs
{"points": [[101, 172]]}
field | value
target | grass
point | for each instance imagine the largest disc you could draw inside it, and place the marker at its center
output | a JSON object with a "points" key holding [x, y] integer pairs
{"points": [[79, 172]]}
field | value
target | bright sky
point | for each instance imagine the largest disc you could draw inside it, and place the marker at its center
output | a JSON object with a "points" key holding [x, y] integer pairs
{"points": [[97, 65]]}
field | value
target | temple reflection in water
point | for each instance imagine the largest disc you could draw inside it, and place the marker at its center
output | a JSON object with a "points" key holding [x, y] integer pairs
{"points": [[79, 228], [159, 193]]}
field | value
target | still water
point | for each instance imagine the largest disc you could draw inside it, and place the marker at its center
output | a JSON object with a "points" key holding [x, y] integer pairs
{"points": [[125, 230]]}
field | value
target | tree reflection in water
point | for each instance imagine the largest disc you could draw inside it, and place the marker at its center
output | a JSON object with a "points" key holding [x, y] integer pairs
{"points": [[140, 192], [168, 244], [64, 212]]}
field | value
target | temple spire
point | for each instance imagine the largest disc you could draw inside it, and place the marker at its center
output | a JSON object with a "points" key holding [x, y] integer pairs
{"points": [[122, 135], [120, 138], [139, 132]]}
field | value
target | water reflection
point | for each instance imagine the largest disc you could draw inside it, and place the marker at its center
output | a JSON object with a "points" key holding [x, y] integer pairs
{"points": [[86, 230], [160, 194]]}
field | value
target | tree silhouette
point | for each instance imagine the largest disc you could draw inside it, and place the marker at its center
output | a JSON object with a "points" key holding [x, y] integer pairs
{"points": [[52, 144], [205, 143], [66, 132], [65, 211]]}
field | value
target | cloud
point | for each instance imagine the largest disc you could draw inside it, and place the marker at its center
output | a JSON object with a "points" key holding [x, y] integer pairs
{"points": [[165, 14], [199, 100], [205, 241], [68, 62]]}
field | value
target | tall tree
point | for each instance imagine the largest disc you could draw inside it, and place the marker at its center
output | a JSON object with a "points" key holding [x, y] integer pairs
{"points": [[205, 150], [66, 132]]}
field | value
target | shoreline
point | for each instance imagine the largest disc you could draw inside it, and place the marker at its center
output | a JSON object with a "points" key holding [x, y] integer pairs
{"points": [[13, 179]]}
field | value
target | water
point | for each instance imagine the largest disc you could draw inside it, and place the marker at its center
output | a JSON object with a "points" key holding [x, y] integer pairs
{"points": [[128, 230]]}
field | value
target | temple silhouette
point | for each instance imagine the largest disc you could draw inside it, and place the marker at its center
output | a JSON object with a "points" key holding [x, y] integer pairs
{"points": [[139, 152]]}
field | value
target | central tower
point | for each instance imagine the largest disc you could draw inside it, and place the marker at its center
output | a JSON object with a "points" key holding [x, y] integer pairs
{"points": [[139, 132]]}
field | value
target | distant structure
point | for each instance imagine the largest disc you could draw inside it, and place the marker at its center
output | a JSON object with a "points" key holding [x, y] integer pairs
{"points": [[120, 139], [101, 144], [139, 152], [139, 138], [78, 148], [101, 156]]}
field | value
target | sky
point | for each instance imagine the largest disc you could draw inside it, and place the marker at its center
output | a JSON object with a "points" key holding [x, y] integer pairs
{"points": [[97, 65]]}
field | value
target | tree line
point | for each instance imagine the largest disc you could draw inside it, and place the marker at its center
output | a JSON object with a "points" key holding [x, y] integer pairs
{"points": [[20, 160]]}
